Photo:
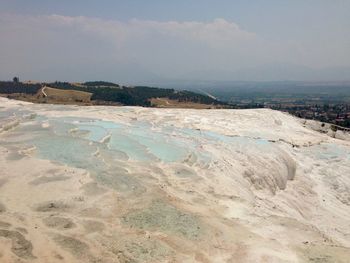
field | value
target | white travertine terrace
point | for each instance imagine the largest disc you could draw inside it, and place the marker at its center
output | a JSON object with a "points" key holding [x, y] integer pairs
{"points": [[131, 184]]}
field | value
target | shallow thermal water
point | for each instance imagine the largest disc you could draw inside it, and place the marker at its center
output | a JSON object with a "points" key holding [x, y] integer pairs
{"points": [[77, 141]]}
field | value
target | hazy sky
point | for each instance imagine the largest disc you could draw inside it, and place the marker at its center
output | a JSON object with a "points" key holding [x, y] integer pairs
{"points": [[139, 40]]}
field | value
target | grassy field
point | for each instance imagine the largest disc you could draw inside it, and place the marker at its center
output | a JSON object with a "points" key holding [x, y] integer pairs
{"points": [[54, 96], [66, 95]]}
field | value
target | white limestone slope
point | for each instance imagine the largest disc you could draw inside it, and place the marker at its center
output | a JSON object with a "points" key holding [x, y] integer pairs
{"points": [[253, 186]]}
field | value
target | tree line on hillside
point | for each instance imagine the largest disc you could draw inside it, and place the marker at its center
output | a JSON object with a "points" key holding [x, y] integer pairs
{"points": [[8, 87], [100, 83]]}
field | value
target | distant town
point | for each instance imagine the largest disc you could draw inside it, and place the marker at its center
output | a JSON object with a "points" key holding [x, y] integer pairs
{"points": [[329, 112], [338, 114], [325, 102]]}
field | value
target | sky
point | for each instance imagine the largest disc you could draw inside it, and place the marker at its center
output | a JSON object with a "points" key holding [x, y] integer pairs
{"points": [[136, 41]]}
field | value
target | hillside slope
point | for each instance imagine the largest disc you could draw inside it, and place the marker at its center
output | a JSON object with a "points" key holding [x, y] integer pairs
{"points": [[132, 184], [52, 95], [105, 93]]}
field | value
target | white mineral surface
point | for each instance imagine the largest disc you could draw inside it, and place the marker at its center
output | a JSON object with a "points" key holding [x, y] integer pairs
{"points": [[131, 184]]}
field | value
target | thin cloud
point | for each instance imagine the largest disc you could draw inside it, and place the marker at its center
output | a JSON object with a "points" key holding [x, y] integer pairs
{"points": [[33, 45]]}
